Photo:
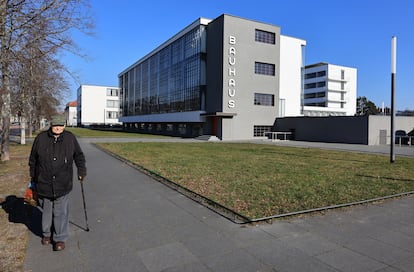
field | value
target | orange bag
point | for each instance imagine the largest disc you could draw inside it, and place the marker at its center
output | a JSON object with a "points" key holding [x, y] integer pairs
{"points": [[30, 196]]}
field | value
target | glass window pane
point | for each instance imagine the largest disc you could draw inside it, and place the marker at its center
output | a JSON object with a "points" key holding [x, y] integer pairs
{"points": [[264, 68], [264, 36], [264, 99]]}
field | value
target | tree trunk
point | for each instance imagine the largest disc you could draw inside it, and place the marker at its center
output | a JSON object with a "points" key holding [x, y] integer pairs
{"points": [[5, 152], [30, 126], [5, 94], [5, 114]]}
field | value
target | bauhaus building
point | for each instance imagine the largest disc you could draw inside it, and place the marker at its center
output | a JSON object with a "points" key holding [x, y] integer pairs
{"points": [[230, 78]]}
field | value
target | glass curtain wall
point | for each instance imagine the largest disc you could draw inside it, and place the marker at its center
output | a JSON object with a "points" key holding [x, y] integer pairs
{"points": [[168, 81]]}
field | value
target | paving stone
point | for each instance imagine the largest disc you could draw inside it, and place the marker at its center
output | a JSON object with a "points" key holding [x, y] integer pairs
{"points": [[166, 256]]}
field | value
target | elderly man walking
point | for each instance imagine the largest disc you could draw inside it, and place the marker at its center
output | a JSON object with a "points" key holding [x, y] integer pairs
{"points": [[51, 169]]}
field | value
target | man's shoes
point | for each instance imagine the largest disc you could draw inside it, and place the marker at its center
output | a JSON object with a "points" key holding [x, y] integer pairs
{"points": [[46, 241], [59, 246]]}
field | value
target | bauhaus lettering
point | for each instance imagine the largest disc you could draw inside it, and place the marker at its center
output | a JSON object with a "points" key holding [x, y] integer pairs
{"points": [[232, 72]]}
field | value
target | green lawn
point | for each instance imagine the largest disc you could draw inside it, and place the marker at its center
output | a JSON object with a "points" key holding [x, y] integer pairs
{"points": [[264, 180]]}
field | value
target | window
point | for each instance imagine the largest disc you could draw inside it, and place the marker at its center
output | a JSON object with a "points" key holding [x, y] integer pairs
{"points": [[264, 36], [259, 131], [321, 74], [112, 103], [316, 74], [182, 129], [321, 104], [112, 115], [315, 85], [170, 80], [264, 68], [320, 84], [314, 95], [112, 92], [264, 99], [310, 75], [310, 85]]}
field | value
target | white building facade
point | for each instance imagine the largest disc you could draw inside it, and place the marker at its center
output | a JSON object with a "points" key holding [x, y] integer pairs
{"points": [[98, 106], [292, 63], [329, 90], [71, 115]]}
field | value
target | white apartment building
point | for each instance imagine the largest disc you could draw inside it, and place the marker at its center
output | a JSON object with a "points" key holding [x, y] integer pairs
{"points": [[329, 90], [98, 106], [71, 114]]}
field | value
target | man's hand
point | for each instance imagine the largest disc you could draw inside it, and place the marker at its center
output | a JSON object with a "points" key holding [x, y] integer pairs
{"points": [[80, 178]]}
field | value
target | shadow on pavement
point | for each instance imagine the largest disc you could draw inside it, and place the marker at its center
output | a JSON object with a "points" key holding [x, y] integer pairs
{"points": [[22, 213]]}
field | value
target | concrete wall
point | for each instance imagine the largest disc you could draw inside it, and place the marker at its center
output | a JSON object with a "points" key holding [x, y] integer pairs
{"points": [[367, 130], [214, 90], [331, 129], [378, 123], [237, 84]]}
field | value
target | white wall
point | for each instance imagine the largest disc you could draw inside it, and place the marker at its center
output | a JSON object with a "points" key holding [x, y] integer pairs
{"points": [[334, 73], [71, 118], [291, 74], [93, 105]]}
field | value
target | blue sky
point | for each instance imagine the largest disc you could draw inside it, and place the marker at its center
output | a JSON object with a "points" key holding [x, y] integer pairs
{"points": [[355, 33]]}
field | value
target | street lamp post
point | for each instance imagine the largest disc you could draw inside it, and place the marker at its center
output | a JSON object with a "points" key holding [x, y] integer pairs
{"points": [[393, 72]]}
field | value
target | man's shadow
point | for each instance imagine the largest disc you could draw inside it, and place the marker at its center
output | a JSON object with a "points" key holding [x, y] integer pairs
{"points": [[23, 213]]}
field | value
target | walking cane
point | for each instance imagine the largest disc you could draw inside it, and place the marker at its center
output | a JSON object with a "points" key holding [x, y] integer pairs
{"points": [[84, 205]]}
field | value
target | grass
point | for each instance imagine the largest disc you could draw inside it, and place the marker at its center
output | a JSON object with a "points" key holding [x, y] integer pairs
{"points": [[265, 180], [14, 178]]}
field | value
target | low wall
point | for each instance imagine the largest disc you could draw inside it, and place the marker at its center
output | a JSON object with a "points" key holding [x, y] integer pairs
{"points": [[367, 130], [330, 129], [380, 128]]}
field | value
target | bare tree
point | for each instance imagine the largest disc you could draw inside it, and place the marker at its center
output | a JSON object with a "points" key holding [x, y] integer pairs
{"points": [[41, 25], [41, 87]]}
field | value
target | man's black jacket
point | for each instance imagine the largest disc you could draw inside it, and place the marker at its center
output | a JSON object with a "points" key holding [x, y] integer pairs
{"points": [[51, 163]]}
